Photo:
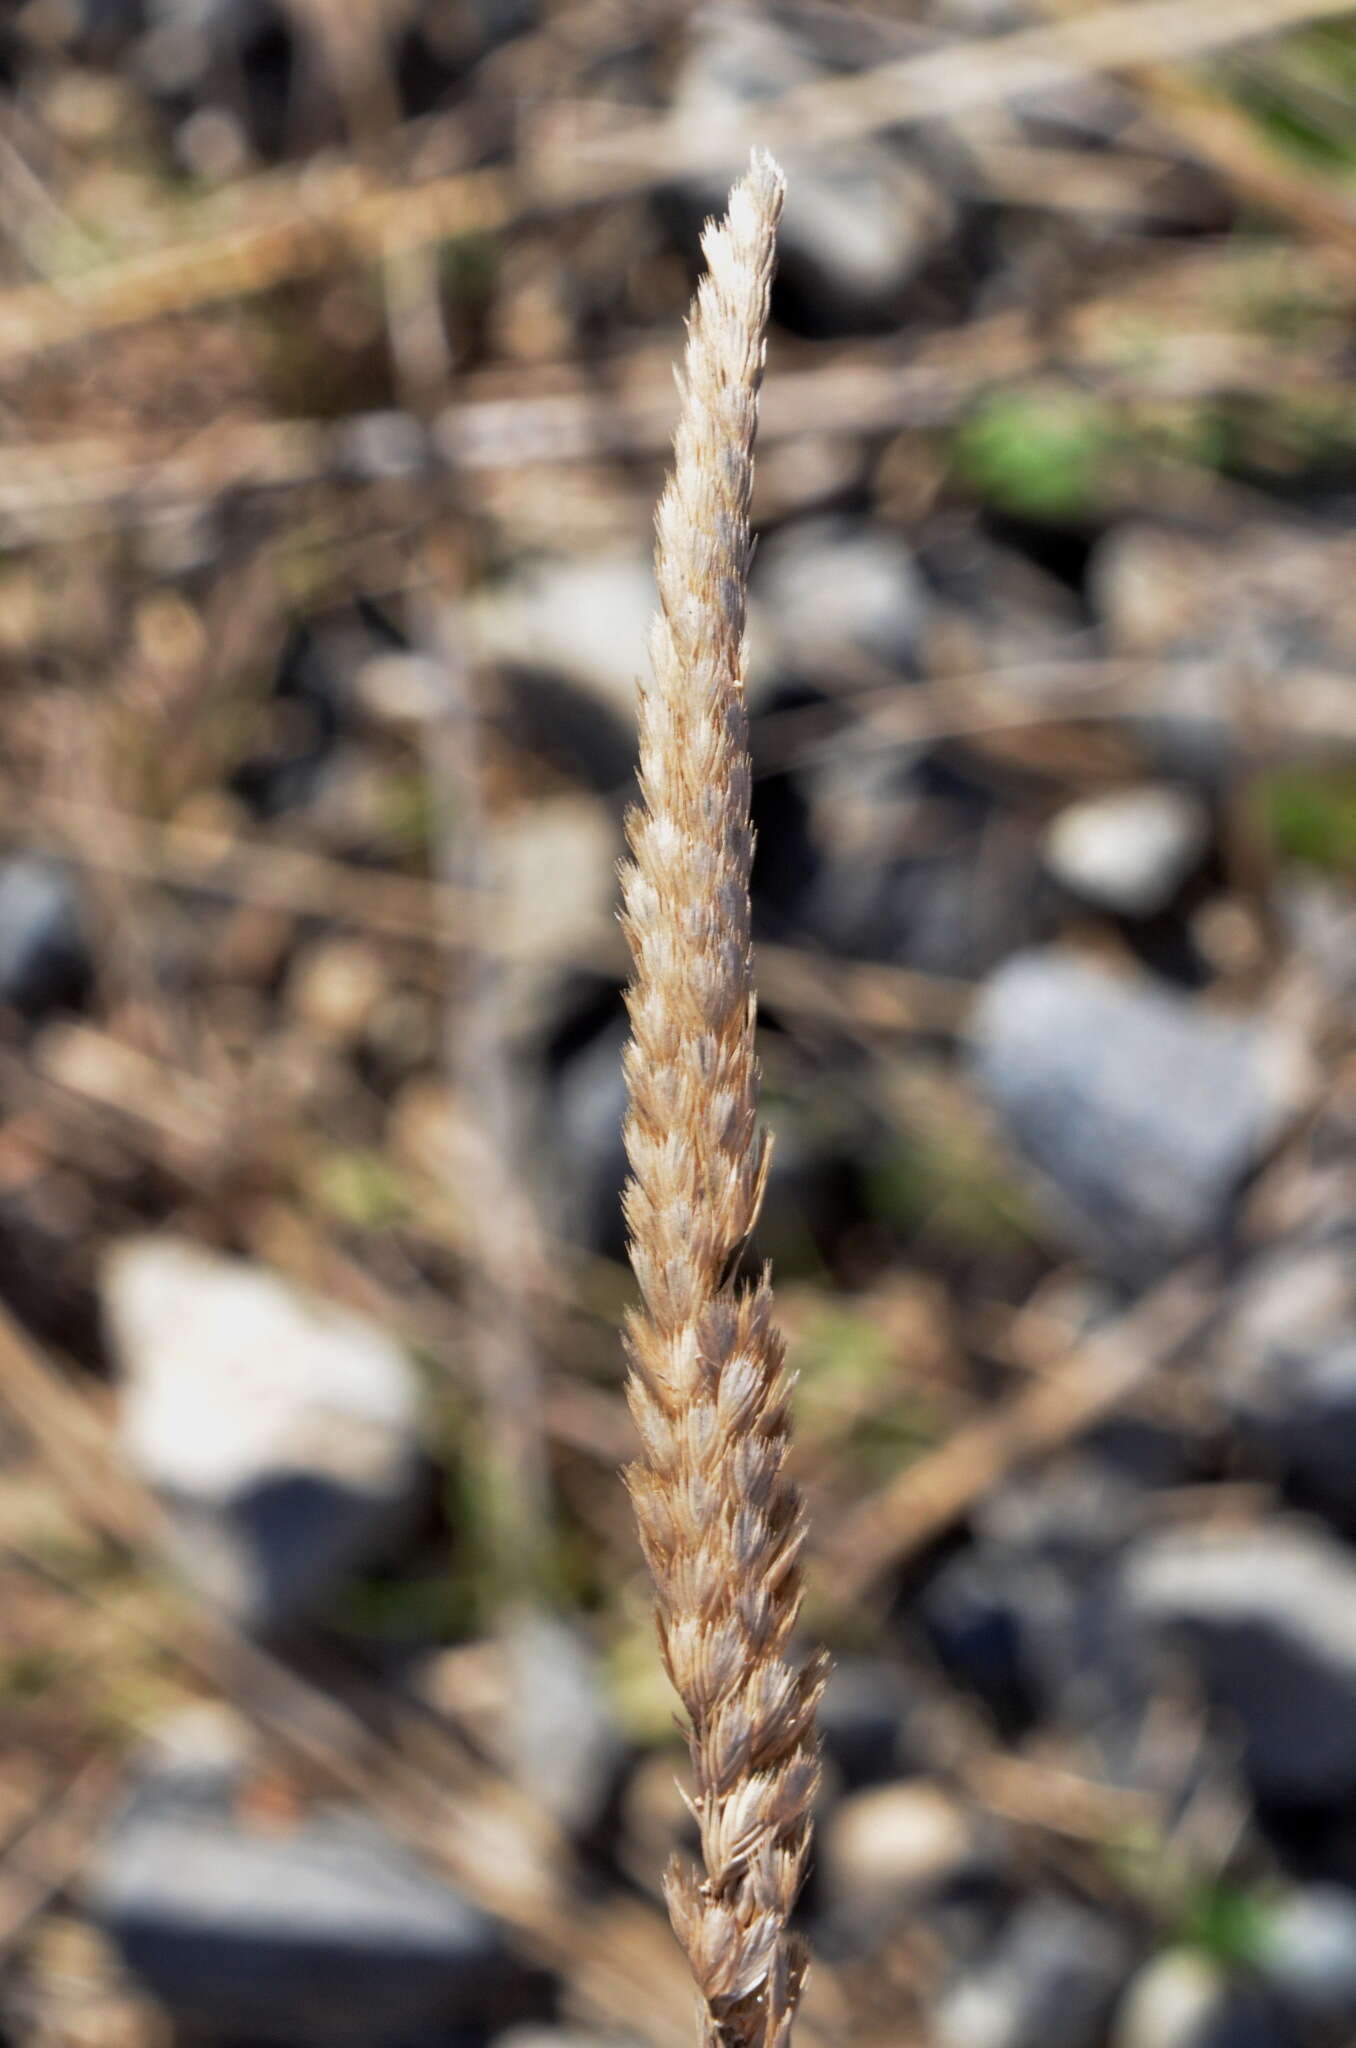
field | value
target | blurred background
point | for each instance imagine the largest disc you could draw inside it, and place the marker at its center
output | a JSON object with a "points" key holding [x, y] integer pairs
{"points": [[335, 387]]}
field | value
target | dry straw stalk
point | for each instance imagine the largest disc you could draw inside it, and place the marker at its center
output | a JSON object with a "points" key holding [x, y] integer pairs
{"points": [[720, 1522]]}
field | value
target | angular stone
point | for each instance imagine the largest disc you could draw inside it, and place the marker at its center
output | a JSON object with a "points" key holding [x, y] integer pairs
{"points": [[1142, 1113], [321, 1931], [44, 956], [1267, 1616], [280, 1432], [1308, 1954], [1129, 852], [1289, 1368], [1052, 1977]]}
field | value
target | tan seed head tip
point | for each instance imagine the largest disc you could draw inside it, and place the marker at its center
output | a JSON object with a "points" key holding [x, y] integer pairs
{"points": [[755, 203], [766, 179], [753, 208]]}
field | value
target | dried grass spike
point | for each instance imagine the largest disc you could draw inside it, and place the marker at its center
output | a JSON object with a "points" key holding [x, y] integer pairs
{"points": [[720, 1522]]}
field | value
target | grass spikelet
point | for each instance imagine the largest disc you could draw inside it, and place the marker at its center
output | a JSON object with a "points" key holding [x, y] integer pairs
{"points": [[720, 1522]]}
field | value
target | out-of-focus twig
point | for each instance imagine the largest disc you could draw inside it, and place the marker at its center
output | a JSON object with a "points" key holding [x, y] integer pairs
{"points": [[932, 1494], [1308, 711], [53, 490], [42, 1858], [1223, 138], [344, 212], [433, 914], [960, 77], [506, 1253]]}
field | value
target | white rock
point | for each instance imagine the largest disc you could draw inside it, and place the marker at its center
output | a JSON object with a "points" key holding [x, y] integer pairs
{"points": [[1129, 851], [335, 985], [555, 867], [585, 617], [280, 1432], [1168, 2001], [383, 444], [885, 1847], [1288, 1359], [402, 689], [1181, 1999]]}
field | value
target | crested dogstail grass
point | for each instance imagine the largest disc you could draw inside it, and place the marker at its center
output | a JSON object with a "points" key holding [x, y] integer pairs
{"points": [[720, 1521]]}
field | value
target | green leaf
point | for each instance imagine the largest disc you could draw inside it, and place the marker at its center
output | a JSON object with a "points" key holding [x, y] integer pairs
{"points": [[1036, 453], [1310, 815]]}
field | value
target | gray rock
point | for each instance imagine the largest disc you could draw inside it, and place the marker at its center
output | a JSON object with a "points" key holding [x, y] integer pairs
{"points": [[281, 1433], [1129, 851], [1022, 1613], [1141, 1113], [1290, 1368], [914, 863], [1300, 1296], [1053, 1541], [553, 867], [837, 593], [976, 17], [564, 1742], [582, 1125], [1052, 1976], [383, 444], [1308, 1953], [1282, 592], [860, 218], [862, 1719], [187, 39], [44, 958], [1180, 1999], [322, 1932], [102, 28], [991, 608], [975, 1610], [1320, 922], [1268, 1617]]}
